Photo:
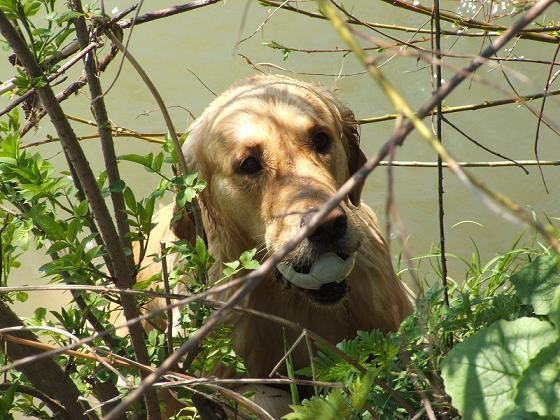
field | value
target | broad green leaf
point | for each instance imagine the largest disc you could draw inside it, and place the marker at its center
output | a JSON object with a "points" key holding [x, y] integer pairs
{"points": [[129, 199], [73, 228], [57, 246], [520, 414], [31, 7], [481, 373], [537, 282], [190, 177], [231, 267], [141, 159], [40, 313], [539, 387], [67, 16], [8, 6]]}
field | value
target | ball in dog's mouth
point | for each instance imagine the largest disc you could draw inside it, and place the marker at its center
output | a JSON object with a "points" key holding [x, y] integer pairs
{"points": [[325, 279]]}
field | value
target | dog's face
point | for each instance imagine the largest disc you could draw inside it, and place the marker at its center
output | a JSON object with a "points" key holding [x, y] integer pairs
{"points": [[273, 150]]}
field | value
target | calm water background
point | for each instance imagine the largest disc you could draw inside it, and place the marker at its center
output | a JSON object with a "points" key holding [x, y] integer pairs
{"points": [[205, 42]]}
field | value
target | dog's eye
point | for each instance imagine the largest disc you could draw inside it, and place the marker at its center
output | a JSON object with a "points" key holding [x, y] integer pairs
{"points": [[250, 166], [321, 142]]}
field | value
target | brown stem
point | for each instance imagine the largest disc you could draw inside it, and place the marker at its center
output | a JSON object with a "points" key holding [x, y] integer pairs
{"points": [[436, 19], [170, 11], [104, 127]]}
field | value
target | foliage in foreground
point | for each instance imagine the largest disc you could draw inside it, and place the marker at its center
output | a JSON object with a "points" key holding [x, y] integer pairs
{"points": [[504, 363]]}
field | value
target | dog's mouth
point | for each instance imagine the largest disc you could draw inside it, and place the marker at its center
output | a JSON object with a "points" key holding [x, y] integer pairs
{"points": [[324, 280], [329, 293]]}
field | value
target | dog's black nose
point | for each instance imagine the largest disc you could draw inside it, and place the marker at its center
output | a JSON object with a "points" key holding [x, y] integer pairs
{"points": [[332, 227]]}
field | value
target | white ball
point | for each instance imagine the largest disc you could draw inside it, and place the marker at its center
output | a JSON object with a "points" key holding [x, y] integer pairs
{"points": [[328, 268]]}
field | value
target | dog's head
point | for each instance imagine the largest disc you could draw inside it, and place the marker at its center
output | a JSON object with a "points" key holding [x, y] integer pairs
{"points": [[273, 150]]}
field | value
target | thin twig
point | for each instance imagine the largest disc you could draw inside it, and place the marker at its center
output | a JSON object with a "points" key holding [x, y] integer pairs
{"points": [[436, 24], [470, 107], [169, 11], [287, 354], [541, 112], [165, 277], [496, 164], [483, 147]]}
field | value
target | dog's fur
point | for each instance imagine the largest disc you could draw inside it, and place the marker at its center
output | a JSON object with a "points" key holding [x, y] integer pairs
{"points": [[261, 148]]}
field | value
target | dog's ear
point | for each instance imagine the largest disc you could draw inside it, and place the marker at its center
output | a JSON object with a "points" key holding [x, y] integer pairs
{"points": [[355, 156], [182, 224]]}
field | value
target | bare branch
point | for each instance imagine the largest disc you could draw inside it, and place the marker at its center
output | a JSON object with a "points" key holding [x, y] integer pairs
{"points": [[169, 11]]}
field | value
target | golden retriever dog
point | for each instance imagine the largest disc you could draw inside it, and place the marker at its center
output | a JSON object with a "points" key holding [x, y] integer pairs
{"points": [[272, 150]]}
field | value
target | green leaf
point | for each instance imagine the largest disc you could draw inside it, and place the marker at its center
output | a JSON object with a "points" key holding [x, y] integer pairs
{"points": [[21, 296], [185, 196], [157, 163], [361, 388], [481, 373], [520, 414], [8, 6], [247, 260], [333, 407], [6, 402], [40, 313], [231, 268], [57, 246], [130, 200], [539, 387], [31, 7], [537, 282], [190, 178], [141, 159], [145, 284], [73, 228], [67, 16], [82, 209], [117, 186], [555, 313]]}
